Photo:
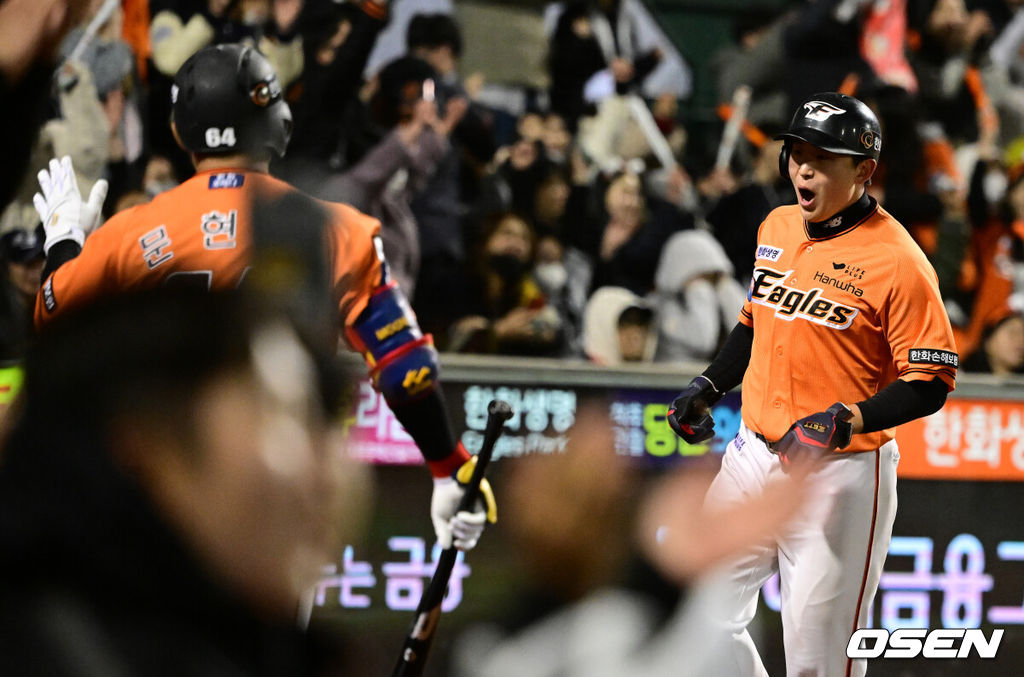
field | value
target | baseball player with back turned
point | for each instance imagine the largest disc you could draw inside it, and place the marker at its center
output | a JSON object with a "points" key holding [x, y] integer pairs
{"points": [[843, 337], [228, 112]]}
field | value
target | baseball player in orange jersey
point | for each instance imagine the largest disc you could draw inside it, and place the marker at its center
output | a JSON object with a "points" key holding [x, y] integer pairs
{"points": [[229, 114], [843, 307]]}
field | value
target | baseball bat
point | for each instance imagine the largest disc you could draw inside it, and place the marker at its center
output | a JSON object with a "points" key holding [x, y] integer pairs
{"points": [[413, 659], [731, 133], [65, 81]]}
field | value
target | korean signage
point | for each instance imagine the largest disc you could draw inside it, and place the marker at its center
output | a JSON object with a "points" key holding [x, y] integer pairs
{"points": [[956, 559], [968, 439], [402, 578], [375, 435], [965, 440], [542, 420], [927, 580]]}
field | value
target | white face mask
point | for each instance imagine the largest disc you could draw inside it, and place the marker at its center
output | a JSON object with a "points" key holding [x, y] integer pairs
{"points": [[994, 185], [154, 188], [551, 276]]}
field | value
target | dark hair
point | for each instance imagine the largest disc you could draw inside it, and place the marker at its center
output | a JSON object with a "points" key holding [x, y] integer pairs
{"points": [[400, 86], [635, 316], [432, 31], [995, 323], [131, 351], [19, 245], [493, 220], [319, 21]]}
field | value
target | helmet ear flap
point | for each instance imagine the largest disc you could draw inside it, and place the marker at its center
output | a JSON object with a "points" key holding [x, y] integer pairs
{"points": [[784, 160]]}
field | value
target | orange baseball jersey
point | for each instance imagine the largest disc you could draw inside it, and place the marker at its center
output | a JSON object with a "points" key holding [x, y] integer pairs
{"points": [[839, 311], [202, 229]]}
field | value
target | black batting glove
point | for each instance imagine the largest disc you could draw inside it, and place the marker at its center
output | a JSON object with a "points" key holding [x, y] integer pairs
{"points": [[690, 413], [813, 436]]}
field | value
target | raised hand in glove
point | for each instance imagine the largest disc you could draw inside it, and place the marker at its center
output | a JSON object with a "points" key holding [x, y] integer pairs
{"points": [[452, 526], [65, 216], [813, 436], [690, 413]]}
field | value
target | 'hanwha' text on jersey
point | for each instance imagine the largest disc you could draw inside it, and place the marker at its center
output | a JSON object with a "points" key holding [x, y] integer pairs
{"points": [[767, 288]]}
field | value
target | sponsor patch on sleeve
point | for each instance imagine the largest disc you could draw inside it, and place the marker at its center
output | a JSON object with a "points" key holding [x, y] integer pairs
{"points": [[768, 252], [226, 180], [49, 300], [942, 358]]}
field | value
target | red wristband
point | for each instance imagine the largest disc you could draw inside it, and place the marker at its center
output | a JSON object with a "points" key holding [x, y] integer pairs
{"points": [[449, 464]]}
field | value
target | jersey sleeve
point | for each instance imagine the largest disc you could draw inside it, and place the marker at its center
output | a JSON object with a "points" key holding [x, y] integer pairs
{"points": [[917, 326], [90, 275], [359, 267]]}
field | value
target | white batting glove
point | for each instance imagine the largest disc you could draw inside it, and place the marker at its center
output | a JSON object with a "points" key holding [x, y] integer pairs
{"points": [[64, 215], [460, 528]]}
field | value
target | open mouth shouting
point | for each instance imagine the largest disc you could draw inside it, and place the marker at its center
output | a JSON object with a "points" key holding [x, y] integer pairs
{"points": [[806, 197]]}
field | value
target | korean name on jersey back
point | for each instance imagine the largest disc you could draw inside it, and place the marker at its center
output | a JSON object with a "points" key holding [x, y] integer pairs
{"points": [[226, 180], [768, 288]]}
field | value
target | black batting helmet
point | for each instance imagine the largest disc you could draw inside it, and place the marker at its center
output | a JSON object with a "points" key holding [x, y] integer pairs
{"points": [[227, 99], [834, 122]]}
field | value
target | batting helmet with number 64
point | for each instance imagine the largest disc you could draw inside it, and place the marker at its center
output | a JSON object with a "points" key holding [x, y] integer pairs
{"points": [[227, 99]]}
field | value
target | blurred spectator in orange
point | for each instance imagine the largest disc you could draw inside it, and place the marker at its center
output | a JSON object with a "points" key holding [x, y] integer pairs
{"points": [[952, 42], [986, 284], [884, 40], [918, 180]]}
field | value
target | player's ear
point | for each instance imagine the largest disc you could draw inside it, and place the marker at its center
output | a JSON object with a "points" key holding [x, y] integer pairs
{"points": [[865, 169]]}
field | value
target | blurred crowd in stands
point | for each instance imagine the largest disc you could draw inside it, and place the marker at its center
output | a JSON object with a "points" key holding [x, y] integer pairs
{"points": [[581, 219]]}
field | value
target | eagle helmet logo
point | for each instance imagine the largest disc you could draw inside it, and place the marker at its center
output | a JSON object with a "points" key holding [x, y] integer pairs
{"points": [[819, 111]]}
